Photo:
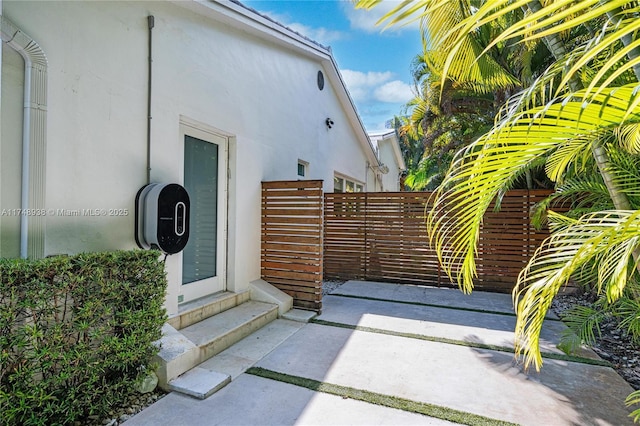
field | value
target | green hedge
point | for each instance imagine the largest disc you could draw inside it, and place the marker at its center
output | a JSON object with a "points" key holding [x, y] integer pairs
{"points": [[76, 333]]}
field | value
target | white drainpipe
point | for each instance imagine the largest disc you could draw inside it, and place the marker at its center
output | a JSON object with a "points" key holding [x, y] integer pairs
{"points": [[33, 135]]}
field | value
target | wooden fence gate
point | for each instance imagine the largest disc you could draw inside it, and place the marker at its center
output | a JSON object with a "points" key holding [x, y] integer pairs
{"points": [[291, 249], [308, 235]]}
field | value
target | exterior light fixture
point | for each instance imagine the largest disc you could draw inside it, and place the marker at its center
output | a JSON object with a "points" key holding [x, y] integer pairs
{"points": [[329, 122]]}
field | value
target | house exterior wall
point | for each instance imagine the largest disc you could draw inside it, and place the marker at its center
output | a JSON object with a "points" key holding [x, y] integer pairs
{"points": [[390, 180], [388, 151], [261, 95]]}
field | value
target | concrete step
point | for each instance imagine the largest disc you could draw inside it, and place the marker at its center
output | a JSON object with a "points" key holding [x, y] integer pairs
{"points": [[215, 373], [299, 315], [203, 308], [182, 350], [199, 383], [217, 333], [247, 352]]}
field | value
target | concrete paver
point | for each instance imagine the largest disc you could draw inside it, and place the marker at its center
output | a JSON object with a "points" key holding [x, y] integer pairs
{"points": [[441, 296], [251, 400], [472, 327], [479, 381]]}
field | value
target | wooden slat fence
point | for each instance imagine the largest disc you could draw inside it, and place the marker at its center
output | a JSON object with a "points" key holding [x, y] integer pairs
{"points": [[382, 237], [508, 240], [291, 249], [378, 236]]}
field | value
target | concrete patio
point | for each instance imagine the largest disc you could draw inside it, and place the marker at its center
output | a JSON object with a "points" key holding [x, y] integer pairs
{"points": [[427, 347]]}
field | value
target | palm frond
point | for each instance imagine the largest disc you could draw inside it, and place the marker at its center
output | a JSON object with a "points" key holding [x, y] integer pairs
{"points": [[625, 169], [583, 324], [481, 170], [406, 12], [633, 399], [628, 310], [584, 193], [551, 19], [629, 137], [573, 151], [607, 237]]}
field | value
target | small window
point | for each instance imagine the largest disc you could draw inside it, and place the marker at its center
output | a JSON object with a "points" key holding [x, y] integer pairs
{"points": [[341, 184], [302, 168]]}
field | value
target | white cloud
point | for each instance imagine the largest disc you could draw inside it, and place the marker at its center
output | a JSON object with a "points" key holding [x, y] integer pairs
{"points": [[362, 85], [366, 20], [321, 35], [395, 91], [376, 87]]}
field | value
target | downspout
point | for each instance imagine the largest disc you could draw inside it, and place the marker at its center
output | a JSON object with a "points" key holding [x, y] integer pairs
{"points": [[151, 24], [33, 137]]}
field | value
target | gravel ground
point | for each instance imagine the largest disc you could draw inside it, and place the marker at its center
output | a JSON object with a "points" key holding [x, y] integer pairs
{"points": [[125, 411], [329, 286], [613, 344]]}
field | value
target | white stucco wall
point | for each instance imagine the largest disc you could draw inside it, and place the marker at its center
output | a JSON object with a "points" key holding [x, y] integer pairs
{"points": [[390, 180], [261, 95], [389, 154]]}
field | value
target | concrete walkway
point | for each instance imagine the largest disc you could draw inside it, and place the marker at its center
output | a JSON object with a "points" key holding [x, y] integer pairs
{"points": [[389, 340]]}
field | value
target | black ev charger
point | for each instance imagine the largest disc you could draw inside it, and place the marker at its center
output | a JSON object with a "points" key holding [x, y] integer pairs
{"points": [[162, 217]]}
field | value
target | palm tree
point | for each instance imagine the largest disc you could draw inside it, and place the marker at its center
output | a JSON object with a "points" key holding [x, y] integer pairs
{"points": [[454, 111], [595, 107], [444, 121]]}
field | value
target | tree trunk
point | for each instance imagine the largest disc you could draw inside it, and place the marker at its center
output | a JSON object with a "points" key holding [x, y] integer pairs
{"points": [[619, 198], [614, 16], [558, 50]]}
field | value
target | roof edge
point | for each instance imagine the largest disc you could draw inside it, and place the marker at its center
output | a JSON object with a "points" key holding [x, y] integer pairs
{"points": [[233, 12]]}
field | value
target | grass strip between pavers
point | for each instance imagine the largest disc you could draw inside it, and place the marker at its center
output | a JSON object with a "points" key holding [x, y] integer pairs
{"points": [[430, 410], [433, 305], [548, 355]]}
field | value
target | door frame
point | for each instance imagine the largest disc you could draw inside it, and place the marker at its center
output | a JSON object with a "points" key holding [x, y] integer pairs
{"points": [[196, 290]]}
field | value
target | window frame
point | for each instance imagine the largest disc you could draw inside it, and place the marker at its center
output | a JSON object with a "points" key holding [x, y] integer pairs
{"points": [[357, 186], [305, 168]]}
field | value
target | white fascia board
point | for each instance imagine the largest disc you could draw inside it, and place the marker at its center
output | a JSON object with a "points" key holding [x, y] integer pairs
{"points": [[391, 136], [350, 108], [251, 22], [382, 134], [244, 19], [395, 143]]}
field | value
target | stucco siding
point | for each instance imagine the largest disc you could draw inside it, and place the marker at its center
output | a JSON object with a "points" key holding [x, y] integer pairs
{"points": [[259, 94]]}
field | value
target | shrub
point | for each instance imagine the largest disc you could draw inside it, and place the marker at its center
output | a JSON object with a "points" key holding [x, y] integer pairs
{"points": [[76, 333]]}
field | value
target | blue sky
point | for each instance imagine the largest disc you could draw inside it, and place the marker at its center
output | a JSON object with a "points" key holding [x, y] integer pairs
{"points": [[375, 64]]}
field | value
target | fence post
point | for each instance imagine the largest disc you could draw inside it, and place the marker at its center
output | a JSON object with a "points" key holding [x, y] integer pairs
{"points": [[367, 257]]}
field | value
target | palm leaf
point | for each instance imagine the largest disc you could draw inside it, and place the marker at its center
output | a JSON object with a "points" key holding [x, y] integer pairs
{"points": [[437, 18], [629, 137], [479, 172], [583, 192], [628, 310], [625, 169], [554, 18], [583, 323], [569, 153], [608, 237], [633, 399]]}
